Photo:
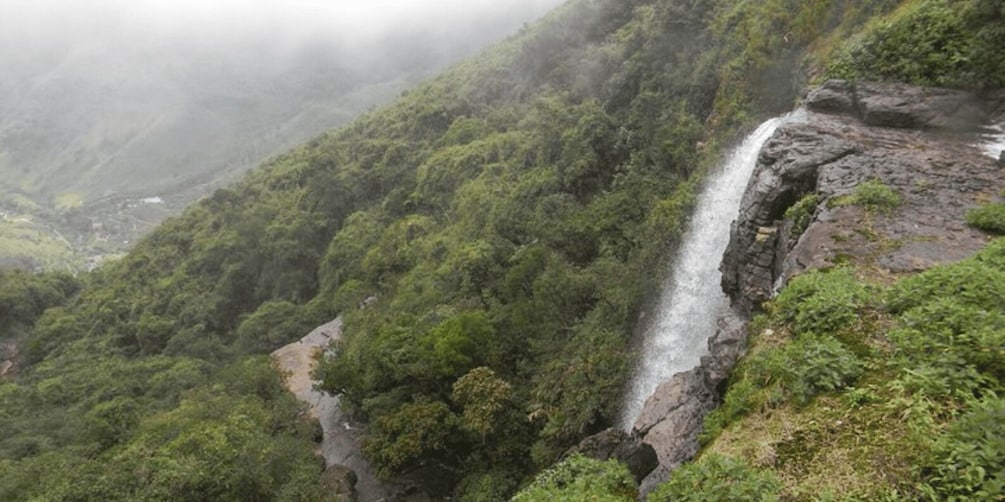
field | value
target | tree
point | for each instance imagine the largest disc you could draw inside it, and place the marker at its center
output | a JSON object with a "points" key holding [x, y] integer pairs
{"points": [[483, 396], [413, 436]]}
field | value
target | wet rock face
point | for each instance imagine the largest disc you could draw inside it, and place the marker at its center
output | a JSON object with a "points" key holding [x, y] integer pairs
{"points": [[885, 104], [672, 417], [909, 139]]}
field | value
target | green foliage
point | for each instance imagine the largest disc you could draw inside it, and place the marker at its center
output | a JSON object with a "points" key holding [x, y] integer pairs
{"points": [[989, 217], [801, 213], [239, 439], [24, 297], [415, 434], [580, 478], [873, 195], [272, 325], [488, 239], [969, 461], [950, 43], [976, 282], [822, 301], [810, 365], [717, 478], [929, 381], [483, 396]]}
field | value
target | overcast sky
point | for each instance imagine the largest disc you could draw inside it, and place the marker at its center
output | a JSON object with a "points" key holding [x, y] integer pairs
{"points": [[31, 25]]}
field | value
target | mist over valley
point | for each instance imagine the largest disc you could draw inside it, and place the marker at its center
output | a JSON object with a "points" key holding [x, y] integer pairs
{"points": [[107, 104]]}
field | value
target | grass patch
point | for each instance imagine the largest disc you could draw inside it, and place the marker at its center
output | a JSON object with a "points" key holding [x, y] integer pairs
{"points": [[718, 478], [875, 196], [989, 218], [872, 195]]}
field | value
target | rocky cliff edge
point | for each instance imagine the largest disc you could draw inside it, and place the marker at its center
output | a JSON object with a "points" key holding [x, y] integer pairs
{"points": [[800, 212]]}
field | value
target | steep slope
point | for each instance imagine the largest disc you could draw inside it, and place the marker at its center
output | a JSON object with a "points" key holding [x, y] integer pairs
{"points": [[489, 239]]}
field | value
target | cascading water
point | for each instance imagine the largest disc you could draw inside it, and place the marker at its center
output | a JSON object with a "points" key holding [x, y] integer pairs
{"points": [[692, 299], [993, 140]]}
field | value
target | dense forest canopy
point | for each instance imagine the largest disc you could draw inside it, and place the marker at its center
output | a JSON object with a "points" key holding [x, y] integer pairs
{"points": [[489, 239]]}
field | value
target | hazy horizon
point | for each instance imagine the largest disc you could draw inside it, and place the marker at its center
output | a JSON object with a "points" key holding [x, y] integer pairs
{"points": [[102, 87], [105, 104], [40, 25]]}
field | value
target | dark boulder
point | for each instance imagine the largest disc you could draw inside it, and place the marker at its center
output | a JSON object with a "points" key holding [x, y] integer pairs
{"points": [[340, 481], [640, 457]]}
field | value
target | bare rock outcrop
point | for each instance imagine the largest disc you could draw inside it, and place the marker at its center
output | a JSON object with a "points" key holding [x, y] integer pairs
{"points": [[8, 359], [918, 142]]}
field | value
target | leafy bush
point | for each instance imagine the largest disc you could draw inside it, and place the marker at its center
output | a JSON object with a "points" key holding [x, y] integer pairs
{"points": [[993, 255], [970, 460], [801, 213], [580, 478], [971, 282], [822, 301], [930, 42], [989, 217], [875, 196], [806, 367], [947, 326], [717, 478]]}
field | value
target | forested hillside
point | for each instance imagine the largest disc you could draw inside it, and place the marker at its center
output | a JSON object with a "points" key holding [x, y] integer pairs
{"points": [[490, 239]]}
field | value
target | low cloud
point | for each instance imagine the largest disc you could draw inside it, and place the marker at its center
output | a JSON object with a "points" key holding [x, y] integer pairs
{"points": [[277, 24]]}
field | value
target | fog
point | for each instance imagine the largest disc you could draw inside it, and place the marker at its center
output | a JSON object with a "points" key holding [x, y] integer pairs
{"points": [[100, 98], [277, 27]]}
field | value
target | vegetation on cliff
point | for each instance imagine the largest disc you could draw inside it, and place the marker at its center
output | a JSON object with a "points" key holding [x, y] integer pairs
{"points": [[864, 390], [488, 238]]}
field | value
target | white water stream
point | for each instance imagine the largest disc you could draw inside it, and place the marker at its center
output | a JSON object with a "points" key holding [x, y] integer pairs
{"points": [[993, 140], [692, 299]]}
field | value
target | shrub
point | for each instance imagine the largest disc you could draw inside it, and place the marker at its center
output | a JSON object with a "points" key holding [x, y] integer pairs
{"points": [[930, 42], [581, 478], [972, 282], [969, 461], [811, 365], [993, 255], [715, 478], [874, 195], [952, 348], [801, 213], [989, 218], [822, 301]]}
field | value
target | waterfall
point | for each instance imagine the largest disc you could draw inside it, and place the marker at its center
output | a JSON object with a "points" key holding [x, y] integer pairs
{"points": [[692, 299]]}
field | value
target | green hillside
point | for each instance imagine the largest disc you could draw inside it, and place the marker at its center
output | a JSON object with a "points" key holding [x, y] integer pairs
{"points": [[490, 239]]}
